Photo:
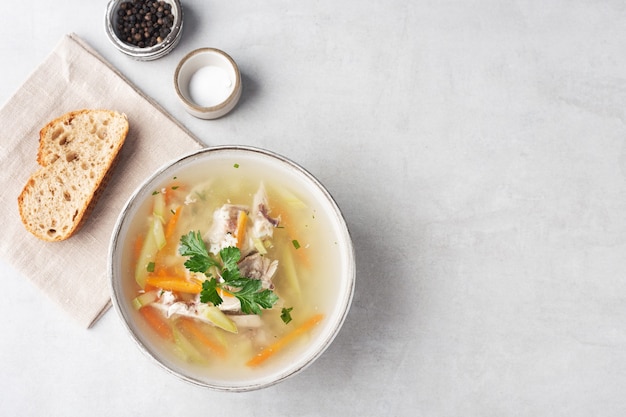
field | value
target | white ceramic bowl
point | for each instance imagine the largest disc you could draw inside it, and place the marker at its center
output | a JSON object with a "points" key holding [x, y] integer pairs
{"points": [[147, 53], [208, 83], [338, 299]]}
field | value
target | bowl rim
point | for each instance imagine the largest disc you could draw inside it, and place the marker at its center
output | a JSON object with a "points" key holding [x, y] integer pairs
{"points": [[148, 53], [288, 371], [233, 96]]}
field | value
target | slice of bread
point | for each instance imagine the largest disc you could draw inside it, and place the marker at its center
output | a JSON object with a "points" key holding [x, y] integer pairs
{"points": [[76, 152]]}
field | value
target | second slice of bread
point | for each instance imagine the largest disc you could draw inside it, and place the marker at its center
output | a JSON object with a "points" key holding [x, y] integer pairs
{"points": [[76, 152]]}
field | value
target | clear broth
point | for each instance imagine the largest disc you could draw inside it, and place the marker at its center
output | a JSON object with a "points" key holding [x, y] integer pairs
{"points": [[317, 261]]}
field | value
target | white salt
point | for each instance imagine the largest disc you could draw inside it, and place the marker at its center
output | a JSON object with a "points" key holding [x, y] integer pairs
{"points": [[210, 86]]}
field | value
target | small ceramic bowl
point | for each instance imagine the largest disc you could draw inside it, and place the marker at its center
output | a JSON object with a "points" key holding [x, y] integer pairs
{"points": [[326, 274], [150, 52], [208, 83]]}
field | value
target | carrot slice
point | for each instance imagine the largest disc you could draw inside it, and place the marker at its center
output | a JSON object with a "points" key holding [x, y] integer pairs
{"points": [[242, 221], [160, 270], [191, 327], [287, 227], [137, 247], [284, 341], [170, 191], [175, 284], [155, 319], [171, 223], [224, 293]]}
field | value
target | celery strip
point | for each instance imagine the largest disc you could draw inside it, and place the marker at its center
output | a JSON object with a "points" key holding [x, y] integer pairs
{"points": [[217, 317], [292, 200], [146, 255], [290, 270], [260, 247], [159, 233], [145, 299], [158, 209], [186, 348]]}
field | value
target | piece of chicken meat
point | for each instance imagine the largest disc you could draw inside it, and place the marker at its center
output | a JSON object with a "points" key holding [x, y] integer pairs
{"points": [[260, 267], [263, 223], [222, 232]]}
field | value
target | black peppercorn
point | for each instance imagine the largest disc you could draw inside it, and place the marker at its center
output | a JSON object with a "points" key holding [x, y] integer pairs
{"points": [[144, 23]]}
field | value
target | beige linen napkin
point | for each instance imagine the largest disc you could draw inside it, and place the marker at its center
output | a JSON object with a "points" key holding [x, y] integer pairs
{"points": [[73, 272]]}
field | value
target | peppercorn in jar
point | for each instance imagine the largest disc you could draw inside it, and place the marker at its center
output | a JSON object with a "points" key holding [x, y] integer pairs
{"points": [[144, 29], [144, 22]]}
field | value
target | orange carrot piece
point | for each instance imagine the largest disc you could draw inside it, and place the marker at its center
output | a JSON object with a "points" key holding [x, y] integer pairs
{"points": [[301, 253], [171, 223], [224, 293], [240, 232], [189, 325], [174, 284], [170, 191], [160, 271], [137, 247], [286, 225], [284, 341], [155, 319]]}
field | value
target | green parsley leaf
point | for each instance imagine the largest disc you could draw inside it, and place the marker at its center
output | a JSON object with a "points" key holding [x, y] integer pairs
{"points": [[252, 300], [155, 192], [236, 165], [285, 314], [250, 286], [296, 244], [150, 267], [192, 245], [209, 292], [248, 291], [175, 187], [230, 256], [266, 298], [233, 278]]}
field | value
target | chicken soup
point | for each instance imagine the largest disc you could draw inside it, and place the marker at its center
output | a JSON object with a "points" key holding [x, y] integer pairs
{"points": [[234, 268]]}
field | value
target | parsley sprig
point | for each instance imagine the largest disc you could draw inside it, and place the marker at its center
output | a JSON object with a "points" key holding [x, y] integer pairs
{"points": [[285, 314], [248, 291]]}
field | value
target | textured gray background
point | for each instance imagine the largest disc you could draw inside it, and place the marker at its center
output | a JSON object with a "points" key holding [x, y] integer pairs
{"points": [[477, 151]]}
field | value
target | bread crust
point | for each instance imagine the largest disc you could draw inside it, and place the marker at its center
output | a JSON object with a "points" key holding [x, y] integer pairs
{"points": [[77, 152]]}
